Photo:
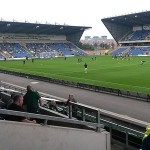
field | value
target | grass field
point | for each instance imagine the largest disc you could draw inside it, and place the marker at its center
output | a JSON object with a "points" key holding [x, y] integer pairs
{"points": [[104, 71]]}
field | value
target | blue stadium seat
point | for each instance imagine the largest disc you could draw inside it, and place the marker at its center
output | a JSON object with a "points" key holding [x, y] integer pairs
{"points": [[119, 51]]}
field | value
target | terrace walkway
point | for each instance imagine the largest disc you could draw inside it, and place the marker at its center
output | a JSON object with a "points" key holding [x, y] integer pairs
{"points": [[125, 106]]}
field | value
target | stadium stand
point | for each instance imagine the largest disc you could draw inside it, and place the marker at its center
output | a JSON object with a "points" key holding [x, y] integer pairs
{"points": [[137, 35], [119, 51], [133, 50], [62, 47], [20, 40], [136, 51], [131, 32], [15, 50], [1, 57]]}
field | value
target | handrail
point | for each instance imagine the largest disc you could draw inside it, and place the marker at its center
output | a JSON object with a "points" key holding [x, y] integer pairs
{"points": [[51, 118], [103, 112], [23, 90], [128, 125]]}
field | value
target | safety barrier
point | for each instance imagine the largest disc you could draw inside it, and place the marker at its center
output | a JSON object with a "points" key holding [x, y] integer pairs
{"points": [[46, 118], [131, 130], [118, 92]]}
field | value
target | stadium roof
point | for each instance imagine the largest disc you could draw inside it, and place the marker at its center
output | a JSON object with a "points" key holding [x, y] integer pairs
{"points": [[37, 28], [119, 26], [141, 18]]}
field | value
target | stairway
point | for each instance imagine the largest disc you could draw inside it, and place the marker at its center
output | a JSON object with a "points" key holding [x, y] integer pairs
{"points": [[6, 54], [127, 50], [23, 46]]}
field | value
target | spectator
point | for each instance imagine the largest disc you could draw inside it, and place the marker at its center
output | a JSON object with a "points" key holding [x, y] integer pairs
{"points": [[2, 104], [53, 106], [146, 139], [10, 101], [74, 107], [17, 106], [6, 102], [31, 100], [71, 99]]}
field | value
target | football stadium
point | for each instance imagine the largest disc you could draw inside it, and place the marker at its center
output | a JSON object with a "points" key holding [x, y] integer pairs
{"points": [[29, 41], [111, 91]]}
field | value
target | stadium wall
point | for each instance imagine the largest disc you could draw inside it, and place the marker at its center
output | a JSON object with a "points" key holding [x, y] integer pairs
{"points": [[25, 136]]}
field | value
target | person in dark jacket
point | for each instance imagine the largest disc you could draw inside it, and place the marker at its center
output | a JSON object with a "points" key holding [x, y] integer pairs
{"points": [[17, 106], [146, 143], [146, 139], [32, 99]]}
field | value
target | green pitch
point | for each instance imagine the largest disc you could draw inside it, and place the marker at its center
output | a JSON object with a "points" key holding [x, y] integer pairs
{"points": [[104, 71]]}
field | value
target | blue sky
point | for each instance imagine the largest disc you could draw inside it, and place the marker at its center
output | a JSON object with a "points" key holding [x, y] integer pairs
{"points": [[71, 12]]}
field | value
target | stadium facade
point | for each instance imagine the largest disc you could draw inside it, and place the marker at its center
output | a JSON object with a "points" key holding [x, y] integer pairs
{"points": [[131, 32], [99, 41], [19, 40]]}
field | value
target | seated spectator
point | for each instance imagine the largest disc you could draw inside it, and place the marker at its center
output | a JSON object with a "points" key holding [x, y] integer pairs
{"points": [[2, 104], [53, 106], [10, 101], [17, 106]]}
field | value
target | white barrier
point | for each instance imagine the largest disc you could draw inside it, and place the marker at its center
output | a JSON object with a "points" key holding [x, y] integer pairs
{"points": [[23, 136]]}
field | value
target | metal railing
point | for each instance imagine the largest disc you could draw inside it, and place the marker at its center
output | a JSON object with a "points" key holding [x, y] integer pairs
{"points": [[125, 125], [46, 118], [8, 87]]}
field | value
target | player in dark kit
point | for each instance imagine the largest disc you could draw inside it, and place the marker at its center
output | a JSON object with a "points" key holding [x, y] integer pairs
{"points": [[85, 67], [142, 62], [32, 60], [24, 62]]}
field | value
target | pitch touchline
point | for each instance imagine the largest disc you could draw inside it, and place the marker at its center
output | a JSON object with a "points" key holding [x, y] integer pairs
{"points": [[83, 78], [106, 82], [97, 69]]}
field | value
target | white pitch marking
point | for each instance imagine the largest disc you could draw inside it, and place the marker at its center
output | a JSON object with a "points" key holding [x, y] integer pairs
{"points": [[34, 82]]}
